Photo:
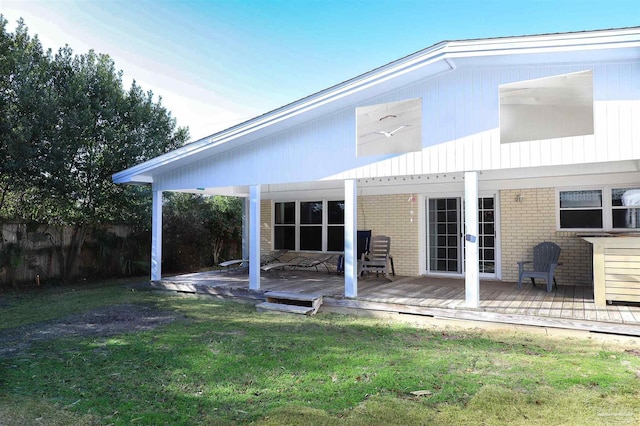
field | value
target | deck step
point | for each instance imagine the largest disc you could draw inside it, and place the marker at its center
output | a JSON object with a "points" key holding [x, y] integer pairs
{"points": [[282, 308], [296, 303]]}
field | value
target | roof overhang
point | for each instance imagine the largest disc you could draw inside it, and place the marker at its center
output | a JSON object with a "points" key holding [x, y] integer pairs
{"points": [[603, 45]]}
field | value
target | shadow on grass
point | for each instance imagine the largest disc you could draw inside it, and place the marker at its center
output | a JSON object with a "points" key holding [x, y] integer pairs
{"points": [[224, 363]]}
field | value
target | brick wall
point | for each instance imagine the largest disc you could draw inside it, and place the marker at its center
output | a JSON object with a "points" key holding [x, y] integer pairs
{"points": [[532, 220], [266, 226], [395, 216]]}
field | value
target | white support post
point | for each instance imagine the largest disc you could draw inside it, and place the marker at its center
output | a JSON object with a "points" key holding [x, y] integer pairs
{"points": [[472, 280], [245, 227], [350, 239], [156, 236], [254, 237]]}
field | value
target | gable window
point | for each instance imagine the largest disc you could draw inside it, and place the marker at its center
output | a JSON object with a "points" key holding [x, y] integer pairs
{"points": [[607, 208], [309, 225]]}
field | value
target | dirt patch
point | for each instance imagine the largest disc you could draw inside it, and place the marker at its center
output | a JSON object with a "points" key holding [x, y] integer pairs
{"points": [[106, 321]]}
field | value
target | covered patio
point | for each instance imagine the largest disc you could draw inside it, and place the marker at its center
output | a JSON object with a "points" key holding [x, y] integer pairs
{"points": [[567, 307], [467, 154]]}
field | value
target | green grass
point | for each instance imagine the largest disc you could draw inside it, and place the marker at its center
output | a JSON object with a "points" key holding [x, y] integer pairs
{"points": [[223, 363], [33, 306]]}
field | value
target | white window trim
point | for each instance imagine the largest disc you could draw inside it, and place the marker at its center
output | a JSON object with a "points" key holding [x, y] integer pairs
{"points": [[607, 207], [325, 224], [422, 232]]}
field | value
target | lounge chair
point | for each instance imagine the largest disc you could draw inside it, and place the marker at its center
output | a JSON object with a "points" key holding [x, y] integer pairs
{"points": [[231, 265], [377, 259], [272, 257], [265, 259], [313, 262], [544, 264], [300, 262]]}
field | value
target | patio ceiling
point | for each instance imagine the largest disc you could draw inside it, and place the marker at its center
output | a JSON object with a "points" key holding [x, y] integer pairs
{"points": [[530, 177]]}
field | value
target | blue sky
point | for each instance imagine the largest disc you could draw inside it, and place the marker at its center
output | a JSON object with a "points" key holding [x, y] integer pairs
{"points": [[217, 63]]}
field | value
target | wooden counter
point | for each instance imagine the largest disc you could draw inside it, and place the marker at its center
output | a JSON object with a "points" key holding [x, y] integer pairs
{"points": [[616, 268]]}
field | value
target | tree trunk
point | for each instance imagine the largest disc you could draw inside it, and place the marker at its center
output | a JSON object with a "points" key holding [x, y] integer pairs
{"points": [[69, 256], [75, 248], [217, 245], [59, 249]]}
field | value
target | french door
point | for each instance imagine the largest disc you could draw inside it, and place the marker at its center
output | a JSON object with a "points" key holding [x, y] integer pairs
{"points": [[445, 235], [444, 242]]}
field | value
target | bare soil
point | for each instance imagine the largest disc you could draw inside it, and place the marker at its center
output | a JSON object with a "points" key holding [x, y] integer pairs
{"points": [[102, 322]]}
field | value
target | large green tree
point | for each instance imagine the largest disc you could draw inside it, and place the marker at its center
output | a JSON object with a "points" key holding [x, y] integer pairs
{"points": [[27, 105], [203, 230], [66, 126]]}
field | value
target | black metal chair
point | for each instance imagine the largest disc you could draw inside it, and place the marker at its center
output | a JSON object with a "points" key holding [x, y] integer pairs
{"points": [[544, 264]]}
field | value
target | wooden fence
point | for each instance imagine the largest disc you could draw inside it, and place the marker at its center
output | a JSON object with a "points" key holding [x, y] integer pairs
{"points": [[29, 252]]}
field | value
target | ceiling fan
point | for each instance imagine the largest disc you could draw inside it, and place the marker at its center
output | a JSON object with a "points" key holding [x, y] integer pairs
{"points": [[388, 134]]}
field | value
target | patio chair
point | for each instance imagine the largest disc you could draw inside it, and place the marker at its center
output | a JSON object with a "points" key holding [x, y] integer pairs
{"points": [[362, 247], [299, 262], [272, 257], [377, 258], [312, 262], [235, 264], [544, 264], [265, 259], [364, 237]]}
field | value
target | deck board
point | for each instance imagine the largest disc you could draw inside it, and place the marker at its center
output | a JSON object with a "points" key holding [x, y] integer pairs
{"points": [[578, 302], [535, 302], [565, 306], [567, 302], [626, 315]]}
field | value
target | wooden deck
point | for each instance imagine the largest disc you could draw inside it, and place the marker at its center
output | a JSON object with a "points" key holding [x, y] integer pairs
{"points": [[567, 307]]}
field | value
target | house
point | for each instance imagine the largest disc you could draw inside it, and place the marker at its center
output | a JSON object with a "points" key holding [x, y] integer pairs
{"points": [[467, 154]]}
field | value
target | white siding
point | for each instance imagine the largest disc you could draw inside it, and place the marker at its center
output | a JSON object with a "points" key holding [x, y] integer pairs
{"points": [[460, 132], [465, 142]]}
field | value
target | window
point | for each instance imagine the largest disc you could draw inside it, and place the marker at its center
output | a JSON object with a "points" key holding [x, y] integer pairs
{"points": [[625, 204], [487, 234], [309, 225], [606, 208], [581, 209], [335, 229], [284, 226]]}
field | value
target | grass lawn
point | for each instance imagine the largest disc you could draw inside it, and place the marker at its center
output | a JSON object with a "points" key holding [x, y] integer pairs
{"points": [[103, 354]]}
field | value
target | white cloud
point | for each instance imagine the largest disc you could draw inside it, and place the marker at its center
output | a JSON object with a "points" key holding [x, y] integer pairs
{"points": [[194, 103]]}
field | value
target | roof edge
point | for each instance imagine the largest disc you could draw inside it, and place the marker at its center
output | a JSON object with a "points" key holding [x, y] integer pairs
{"points": [[440, 51]]}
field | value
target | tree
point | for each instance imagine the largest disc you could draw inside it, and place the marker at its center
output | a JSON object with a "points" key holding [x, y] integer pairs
{"points": [[27, 106], [225, 227], [203, 230], [68, 125]]}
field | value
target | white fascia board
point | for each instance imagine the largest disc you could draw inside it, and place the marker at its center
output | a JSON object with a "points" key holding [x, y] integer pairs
{"points": [[286, 112], [628, 37], [142, 179], [121, 177], [444, 51]]}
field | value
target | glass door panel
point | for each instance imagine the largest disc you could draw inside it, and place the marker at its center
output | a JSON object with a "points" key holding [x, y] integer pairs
{"points": [[487, 231], [445, 247], [443, 239]]}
